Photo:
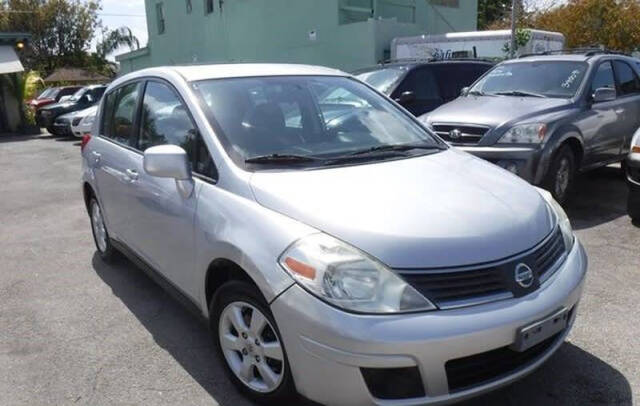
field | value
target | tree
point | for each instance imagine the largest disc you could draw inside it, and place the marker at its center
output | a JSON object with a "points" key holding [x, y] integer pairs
{"points": [[492, 11], [614, 24], [112, 40], [61, 30]]}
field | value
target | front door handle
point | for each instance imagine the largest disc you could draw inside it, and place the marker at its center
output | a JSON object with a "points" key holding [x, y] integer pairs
{"points": [[132, 174], [96, 156]]}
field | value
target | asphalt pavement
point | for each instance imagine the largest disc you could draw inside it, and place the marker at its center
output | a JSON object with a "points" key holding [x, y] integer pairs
{"points": [[74, 330]]}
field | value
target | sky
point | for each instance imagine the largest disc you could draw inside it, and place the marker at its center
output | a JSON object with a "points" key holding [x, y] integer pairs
{"points": [[130, 13]]}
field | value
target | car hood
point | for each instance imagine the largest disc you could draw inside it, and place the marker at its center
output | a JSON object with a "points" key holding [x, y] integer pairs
{"points": [[66, 106], [494, 111], [440, 210]]}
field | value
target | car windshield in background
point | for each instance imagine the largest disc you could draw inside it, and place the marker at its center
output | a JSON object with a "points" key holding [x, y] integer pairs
{"points": [[308, 119], [382, 79], [47, 93], [78, 94], [556, 79]]}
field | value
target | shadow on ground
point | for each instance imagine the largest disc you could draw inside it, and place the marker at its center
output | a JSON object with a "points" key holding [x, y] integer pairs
{"points": [[571, 377], [598, 197]]}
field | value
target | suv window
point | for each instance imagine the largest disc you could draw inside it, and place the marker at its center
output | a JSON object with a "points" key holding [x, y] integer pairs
{"points": [[455, 76], [120, 112], [165, 120], [422, 82], [627, 78], [603, 78]]}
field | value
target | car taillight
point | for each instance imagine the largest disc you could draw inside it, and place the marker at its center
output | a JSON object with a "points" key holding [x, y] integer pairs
{"points": [[85, 140]]}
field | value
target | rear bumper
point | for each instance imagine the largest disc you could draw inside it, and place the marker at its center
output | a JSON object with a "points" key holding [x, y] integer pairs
{"points": [[527, 161], [327, 347]]}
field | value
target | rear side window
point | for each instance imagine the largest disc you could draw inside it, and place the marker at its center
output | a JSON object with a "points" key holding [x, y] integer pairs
{"points": [[604, 77], [120, 111], [627, 78]]}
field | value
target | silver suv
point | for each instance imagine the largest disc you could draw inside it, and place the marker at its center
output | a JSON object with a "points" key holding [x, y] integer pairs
{"points": [[546, 117], [339, 249]]}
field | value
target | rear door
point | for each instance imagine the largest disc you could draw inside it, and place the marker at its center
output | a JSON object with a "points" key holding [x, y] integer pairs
{"points": [[629, 89], [116, 161]]}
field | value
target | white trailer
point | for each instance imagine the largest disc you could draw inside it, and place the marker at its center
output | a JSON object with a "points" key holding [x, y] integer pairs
{"points": [[480, 44]]}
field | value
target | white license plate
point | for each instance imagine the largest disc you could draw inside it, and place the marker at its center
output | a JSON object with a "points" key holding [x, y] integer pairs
{"points": [[539, 331]]}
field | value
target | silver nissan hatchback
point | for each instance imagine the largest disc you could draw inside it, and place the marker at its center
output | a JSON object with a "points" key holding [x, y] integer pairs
{"points": [[339, 249]]}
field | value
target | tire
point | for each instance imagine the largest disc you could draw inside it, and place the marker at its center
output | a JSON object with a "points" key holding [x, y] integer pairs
{"points": [[242, 345], [99, 230], [633, 203], [561, 174], [51, 131]]}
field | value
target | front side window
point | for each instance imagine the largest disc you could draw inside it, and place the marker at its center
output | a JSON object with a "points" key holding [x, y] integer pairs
{"points": [[165, 120], [319, 118], [557, 79], [120, 112], [454, 77], [603, 78], [422, 82], [629, 82]]}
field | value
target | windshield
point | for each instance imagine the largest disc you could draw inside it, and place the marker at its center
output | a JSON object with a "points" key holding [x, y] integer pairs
{"points": [[49, 92], [382, 79], [78, 95], [319, 117], [558, 79]]}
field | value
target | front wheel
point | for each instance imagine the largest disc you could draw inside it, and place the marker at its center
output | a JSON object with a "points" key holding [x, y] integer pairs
{"points": [[248, 340], [562, 170]]}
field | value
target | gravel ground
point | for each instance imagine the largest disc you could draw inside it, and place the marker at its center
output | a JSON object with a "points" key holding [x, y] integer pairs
{"points": [[74, 330]]}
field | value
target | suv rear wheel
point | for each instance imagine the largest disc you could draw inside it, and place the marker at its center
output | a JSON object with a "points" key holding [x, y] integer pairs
{"points": [[561, 173], [248, 340]]}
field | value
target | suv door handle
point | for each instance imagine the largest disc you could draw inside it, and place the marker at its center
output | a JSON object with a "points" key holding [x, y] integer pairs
{"points": [[132, 174], [96, 156]]}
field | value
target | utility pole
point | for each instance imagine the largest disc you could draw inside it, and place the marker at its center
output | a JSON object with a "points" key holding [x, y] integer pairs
{"points": [[512, 48]]}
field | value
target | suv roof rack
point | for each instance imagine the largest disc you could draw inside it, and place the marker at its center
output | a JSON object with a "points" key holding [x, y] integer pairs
{"points": [[429, 60], [588, 52]]}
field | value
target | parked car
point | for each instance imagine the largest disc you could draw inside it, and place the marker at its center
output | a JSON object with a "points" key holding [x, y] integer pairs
{"points": [[356, 261], [82, 99], [422, 85], [546, 117], [632, 167], [52, 95], [82, 122]]}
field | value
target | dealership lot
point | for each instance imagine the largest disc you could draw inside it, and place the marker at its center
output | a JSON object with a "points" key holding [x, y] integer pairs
{"points": [[74, 330]]}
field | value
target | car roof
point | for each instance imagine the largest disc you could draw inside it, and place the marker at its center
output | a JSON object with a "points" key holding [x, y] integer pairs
{"points": [[410, 64], [221, 71]]}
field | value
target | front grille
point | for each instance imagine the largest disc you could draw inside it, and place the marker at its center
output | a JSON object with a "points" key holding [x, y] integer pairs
{"points": [[468, 134], [76, 121], [487, 283], [465, 373]]}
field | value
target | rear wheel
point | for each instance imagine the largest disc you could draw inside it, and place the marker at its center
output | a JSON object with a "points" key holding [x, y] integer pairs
{"points": [[99, 230], [561, 173], [249, 342]]}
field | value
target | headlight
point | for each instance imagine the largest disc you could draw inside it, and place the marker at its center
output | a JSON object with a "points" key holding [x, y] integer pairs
{"points": [[561, 219], [348, 278], [525, 134]]}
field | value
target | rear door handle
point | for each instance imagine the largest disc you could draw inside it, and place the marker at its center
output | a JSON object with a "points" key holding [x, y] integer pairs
{"points": [[132, 174]]}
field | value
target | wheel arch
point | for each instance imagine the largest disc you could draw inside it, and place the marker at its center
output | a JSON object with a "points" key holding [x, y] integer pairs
{"points": [[222, 270], [87, 193]]}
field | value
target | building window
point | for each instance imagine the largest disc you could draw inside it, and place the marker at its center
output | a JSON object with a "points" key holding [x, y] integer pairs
{"points": [[446, 3], [189, 7], [208, 6], [160, 17]]}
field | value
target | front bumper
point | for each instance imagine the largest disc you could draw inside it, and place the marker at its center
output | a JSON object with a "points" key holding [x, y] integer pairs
{"points": [[62, 128], [527, 161], [326, 347]]}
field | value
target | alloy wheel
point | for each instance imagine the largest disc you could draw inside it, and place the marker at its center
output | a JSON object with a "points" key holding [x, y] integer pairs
{"points": [[99, 229], [251, 347]]}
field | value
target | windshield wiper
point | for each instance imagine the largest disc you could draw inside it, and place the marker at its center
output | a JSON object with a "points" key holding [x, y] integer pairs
{"points": [[519, 93], [396, 148], [478, 93], [280, 159]]}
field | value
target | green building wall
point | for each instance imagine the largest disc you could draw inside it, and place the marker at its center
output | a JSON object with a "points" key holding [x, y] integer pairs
{"points": [[336, 33]]}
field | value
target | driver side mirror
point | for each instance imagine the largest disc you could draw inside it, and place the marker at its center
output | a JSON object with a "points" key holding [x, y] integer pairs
{"points": [[87, 98], [604, 94], [406, 97], [170, 161], [464, 91]]}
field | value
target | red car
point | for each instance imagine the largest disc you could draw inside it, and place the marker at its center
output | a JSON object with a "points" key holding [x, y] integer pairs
{"points": [[52, 95]]}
